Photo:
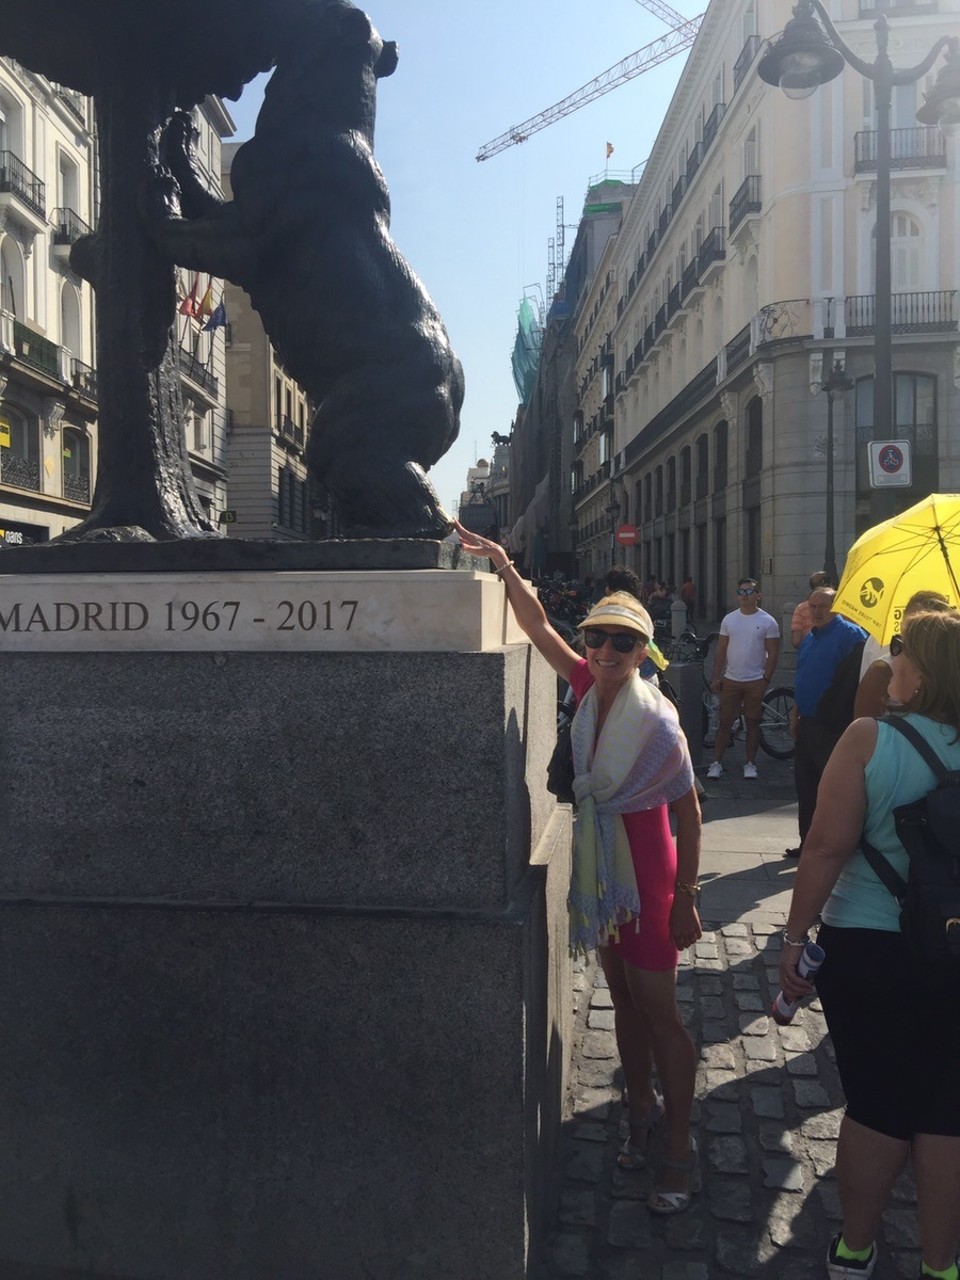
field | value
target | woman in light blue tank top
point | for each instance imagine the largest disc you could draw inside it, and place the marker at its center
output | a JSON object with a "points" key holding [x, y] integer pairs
{"points": [[894, 1021]]}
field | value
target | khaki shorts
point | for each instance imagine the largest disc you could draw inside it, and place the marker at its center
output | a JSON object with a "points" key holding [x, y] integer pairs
{"points": [[737, 696]]}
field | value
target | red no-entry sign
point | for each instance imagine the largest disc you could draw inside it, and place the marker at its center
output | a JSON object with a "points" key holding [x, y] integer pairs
{"points": [[627, 535]]}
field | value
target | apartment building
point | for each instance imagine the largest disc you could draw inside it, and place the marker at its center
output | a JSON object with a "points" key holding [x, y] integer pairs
{"points": [[48, 387], [742, 272]]}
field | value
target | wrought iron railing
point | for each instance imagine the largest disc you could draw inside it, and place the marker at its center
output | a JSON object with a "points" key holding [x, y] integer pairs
{"points": [[694, 160], [781, 320], [193, 368], [712, 124], [738, 348], [746, 200], [22, 473], [691, 277], [22, 182], [712, 250], [72, 100], [290, 430], [68, 226], [36, 351], [927, 312], [83, 378], [745, 60], [77, 488], [921, 147]]}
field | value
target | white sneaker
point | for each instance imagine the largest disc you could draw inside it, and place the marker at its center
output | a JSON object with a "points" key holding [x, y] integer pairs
{"points": [[715, 770], [749, 770]]}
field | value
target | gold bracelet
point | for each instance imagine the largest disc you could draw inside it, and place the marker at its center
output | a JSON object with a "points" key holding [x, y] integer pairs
{"points": [[691, 890], [502, 567]]}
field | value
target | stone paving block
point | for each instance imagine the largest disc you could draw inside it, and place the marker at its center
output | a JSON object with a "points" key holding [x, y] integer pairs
{"points": [[629, 1226], [599, 979], [596, 1073], [589, 1132], [736, 947], [601, 999], [598, 1045], [722, 1085], [600, 1020], [685, 995], [763, 929], [901, 1229], [624, 1266], [592, 1104], [709, 933], [712, 1032], [732, 1201], [688, 1231], [761, 1049], [773, 1137], [718, 1057], [707, 965], [907, 1265], [746, 982], [578, 1208], [808, 1093], [789, 1224], [706, 950], [582, 1161], [722, 1117], [904, 1189], [754, 1024], [794, 1039], [801, 1064], [827, 1194], [635, 1185], [684, 1271], [824, 1125], [712, 1007], [823, 1156], [773, 978], [748, 1001], [786, 1175], [708, 986], [579, 981], [767, 1102], [735, 931], [570, 1255], [728, 1155]]}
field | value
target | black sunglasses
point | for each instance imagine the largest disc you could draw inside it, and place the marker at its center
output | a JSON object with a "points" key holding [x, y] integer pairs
{"points": [[746, 591], [896, 646], [594, 638]]}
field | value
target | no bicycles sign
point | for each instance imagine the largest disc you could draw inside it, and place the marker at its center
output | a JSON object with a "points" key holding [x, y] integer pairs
{"points": [[890, 464]]}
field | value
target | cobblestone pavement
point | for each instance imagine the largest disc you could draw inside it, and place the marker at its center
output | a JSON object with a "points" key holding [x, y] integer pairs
{"points": [[768, 1101]]}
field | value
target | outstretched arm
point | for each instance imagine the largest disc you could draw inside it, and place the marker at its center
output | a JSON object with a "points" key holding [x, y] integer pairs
{"points": [[216, 243], [523, 600]]}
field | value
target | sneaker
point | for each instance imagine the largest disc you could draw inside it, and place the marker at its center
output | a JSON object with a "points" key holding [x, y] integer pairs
{"points": [[848, 1268], [715, 770], [749, 770]]}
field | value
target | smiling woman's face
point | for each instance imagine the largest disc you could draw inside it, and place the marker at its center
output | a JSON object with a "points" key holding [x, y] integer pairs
{"points": [[609, 667]]}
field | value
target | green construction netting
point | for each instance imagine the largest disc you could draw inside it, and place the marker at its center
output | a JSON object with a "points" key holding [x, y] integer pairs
{"points": [[526, 349]]}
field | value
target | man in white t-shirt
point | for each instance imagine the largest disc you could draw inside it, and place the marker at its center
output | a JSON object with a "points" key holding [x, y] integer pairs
{"points": [[743, 667]]}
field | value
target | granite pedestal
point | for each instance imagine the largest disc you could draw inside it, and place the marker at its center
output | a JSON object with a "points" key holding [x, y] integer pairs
{"points": [[285, 994]]}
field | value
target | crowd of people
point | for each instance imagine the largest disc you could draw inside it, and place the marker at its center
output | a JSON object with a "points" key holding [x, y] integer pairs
{"points": [[893, 1017]]}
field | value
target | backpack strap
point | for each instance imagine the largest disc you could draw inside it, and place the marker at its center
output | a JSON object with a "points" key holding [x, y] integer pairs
{"points": [[883, 870], [919, 742]]}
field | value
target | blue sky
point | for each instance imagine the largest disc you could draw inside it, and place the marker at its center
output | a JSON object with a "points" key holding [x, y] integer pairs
{"points": [[477, 234]]}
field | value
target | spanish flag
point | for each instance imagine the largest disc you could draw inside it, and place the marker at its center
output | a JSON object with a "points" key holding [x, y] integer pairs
{"points": [[205, 306], [609, 150]]}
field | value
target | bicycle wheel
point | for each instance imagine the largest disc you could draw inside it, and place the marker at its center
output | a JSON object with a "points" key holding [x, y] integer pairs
{"points": [[775, 736]]}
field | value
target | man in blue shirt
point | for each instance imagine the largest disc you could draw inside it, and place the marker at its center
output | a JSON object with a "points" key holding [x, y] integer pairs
{"points": [[819, 660]]}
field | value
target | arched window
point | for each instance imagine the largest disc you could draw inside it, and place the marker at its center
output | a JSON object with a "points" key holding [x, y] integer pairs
{"points": [[915, 420], [11, 279], [754, 451], [720, 436], [76, 465], [19, 448], [70, 319]]}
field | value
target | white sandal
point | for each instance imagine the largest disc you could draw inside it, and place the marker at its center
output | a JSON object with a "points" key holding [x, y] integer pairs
{"points": [[632, 1158], [665, 1203]]}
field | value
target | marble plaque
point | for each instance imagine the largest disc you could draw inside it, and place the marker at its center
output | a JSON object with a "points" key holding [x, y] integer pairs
{"points": [[418, 610]]}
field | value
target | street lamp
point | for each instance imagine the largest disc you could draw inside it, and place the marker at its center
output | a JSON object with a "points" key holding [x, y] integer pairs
{"points": [[835, 385], [613, 511], [807, 55]]}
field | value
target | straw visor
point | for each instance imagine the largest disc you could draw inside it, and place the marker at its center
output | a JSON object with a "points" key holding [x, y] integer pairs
{"points": [[620, 610]]}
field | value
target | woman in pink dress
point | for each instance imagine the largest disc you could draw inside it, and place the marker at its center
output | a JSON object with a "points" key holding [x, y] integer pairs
{"points": [[633, 892]]}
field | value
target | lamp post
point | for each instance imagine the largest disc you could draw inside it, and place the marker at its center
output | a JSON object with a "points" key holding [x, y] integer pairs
{"points": [[809, 54], [613, 511], [834, 385]]}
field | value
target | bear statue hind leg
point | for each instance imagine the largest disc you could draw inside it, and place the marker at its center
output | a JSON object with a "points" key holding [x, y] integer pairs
{"points": [[385, 498]]}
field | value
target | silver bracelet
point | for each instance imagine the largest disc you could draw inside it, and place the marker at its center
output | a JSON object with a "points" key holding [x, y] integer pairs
{"points": [[795, 942], [502, 567]]}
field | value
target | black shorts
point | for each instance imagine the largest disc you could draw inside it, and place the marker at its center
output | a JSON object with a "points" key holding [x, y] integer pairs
{"points": [[895, 1027]]}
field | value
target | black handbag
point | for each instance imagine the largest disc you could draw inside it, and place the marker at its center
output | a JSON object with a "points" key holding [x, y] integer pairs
{"points": [[560, 769]]}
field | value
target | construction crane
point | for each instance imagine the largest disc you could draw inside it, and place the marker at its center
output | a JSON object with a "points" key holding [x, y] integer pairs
{"points": [[679, 38]]}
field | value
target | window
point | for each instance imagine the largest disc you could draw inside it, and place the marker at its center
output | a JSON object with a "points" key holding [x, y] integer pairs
{"points": [[754, 457], [11, 279], [906, 253], [19, 448], [199, 432], [68, 184], [277, 402], [70, 319], [914, 419], [75, 451]]}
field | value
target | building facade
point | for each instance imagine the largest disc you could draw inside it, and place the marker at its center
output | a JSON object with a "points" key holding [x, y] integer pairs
{"points": [[743, 271], [48, 388]]}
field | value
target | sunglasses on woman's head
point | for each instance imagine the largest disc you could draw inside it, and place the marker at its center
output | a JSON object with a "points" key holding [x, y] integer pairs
{"points": [[594, 638], [896, 646]]}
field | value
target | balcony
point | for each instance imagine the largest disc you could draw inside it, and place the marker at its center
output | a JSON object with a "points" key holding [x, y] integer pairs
{"points": [[679, 191], [690, 280], [83, 379], [745, 60], [933, 312], [77, 488], [196, 372], [694, 160], [712, 253], [289, 430], [745, 205], [73, 101], [663, 222], [738, 349], [37, 352], [918, 148], [673, 301], [660, 321], [712, 124], [22, 473], [68, 227], [25, 193]]}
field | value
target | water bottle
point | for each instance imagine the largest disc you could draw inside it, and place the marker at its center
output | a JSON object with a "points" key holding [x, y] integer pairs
{"points": [[811, 958]]}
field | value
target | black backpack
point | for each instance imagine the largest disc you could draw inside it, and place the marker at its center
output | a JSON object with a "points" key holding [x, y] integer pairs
{"points": [[929, 830]]}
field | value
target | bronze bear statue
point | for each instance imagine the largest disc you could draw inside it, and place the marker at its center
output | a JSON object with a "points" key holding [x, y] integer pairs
{"points": [[307, 236]]}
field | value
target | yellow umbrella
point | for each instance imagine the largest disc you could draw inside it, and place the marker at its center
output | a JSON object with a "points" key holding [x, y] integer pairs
{"points": [[887, 564]]}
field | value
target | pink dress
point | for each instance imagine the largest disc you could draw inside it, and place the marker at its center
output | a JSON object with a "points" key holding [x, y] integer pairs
{"points": [[646, 943]]}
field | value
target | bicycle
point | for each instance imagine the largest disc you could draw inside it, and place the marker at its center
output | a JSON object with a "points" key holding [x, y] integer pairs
{"points": [[775, 736]]}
